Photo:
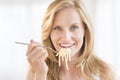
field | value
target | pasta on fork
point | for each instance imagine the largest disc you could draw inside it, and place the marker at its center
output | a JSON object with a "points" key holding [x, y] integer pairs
{"points": [[64, 55]]}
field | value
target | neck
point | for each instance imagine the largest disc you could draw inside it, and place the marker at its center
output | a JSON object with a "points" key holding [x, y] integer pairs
{"points": [[71, 65], [71, 74]]}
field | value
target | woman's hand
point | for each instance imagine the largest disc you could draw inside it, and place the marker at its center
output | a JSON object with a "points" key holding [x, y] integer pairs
{"points": [[36, 56]]}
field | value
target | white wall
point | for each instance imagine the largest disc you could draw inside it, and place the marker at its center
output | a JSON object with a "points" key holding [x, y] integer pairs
{"points": [[20, 21], [105, 17]]}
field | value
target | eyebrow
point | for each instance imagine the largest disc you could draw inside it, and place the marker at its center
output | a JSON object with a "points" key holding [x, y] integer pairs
{"points": [[77, 23], [72, 24], [56, 25]]}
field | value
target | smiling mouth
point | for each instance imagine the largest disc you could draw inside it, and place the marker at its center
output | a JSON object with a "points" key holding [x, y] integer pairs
{"points": [[66, 45]]}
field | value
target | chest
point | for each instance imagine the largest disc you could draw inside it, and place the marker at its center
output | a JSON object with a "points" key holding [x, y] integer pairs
{"points": [[71, 77]]}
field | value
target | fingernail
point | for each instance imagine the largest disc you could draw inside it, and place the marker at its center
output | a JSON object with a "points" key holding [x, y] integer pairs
{"points": [[31, 41]]}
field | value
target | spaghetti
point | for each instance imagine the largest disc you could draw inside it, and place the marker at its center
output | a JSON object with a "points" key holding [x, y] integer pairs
{"points": [[64, 55]]}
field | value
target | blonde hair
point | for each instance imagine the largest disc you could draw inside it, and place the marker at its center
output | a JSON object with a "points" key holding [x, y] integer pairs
{"points": [[88, 64]]}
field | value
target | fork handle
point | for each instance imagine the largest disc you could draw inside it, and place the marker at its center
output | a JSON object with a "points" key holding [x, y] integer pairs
{"points": [[40, 45]]}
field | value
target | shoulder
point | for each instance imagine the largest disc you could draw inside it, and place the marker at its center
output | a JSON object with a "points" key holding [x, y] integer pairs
{"points": [[102, 68]]}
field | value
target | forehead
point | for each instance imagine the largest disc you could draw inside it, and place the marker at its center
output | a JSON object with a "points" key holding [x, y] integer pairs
{"points": [[67, 15]]}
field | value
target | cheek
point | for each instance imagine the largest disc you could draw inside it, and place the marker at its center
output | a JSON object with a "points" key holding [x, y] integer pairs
{"points": [[80, 38], [54, 38]]}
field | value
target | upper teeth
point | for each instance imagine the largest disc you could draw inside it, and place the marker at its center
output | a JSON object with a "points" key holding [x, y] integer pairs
{"points": [[66, 45]]}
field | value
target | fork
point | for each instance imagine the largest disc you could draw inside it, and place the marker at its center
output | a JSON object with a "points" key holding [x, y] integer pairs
{"points": [[39, 45]]}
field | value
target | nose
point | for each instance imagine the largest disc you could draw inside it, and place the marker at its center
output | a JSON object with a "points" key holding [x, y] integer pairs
{"points": [[66, 35]]}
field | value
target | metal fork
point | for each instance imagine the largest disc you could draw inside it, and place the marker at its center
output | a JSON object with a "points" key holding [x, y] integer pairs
{"points": [[40, 46]]}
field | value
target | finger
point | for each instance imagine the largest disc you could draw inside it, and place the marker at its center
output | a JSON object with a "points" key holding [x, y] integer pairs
{"points": [[40, 52], [32, 53], [43, 56], [31, 46], [35, 50], [35, 57], [31, 41]]}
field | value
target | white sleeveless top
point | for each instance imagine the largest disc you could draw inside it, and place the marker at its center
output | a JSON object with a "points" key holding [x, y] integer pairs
{"points": [[95, 78]]}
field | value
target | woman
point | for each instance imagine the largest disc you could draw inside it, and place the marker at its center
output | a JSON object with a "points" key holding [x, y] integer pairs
{"points": [[66, 25]]}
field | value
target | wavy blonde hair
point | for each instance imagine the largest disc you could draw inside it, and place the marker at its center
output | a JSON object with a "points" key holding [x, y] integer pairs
{"points": [[88, 64]]}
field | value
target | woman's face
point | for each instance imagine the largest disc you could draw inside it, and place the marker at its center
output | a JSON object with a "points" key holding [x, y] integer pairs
{"points": [[67, 31]]}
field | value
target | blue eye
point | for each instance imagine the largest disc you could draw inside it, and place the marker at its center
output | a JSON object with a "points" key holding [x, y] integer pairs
{"points": [[57, 28], [74, 27]]}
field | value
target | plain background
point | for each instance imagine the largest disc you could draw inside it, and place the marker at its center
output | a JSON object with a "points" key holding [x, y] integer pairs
{"points": [[20, 20]]}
